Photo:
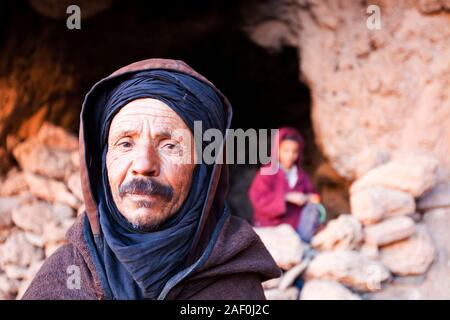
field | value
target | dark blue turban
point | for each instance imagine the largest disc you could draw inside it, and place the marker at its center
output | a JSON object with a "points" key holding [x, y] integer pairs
{"points": [[138, 265]]}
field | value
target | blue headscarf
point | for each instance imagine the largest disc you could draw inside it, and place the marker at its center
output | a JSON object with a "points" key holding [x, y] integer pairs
{"points": [[137, 264]]}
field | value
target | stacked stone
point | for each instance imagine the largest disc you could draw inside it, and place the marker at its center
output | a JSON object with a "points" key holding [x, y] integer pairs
{"points": [[397, 228], [384, 200], [39, 201]]}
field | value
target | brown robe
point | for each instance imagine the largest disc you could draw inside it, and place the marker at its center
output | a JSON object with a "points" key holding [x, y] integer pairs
{"points": [[238, 264]]}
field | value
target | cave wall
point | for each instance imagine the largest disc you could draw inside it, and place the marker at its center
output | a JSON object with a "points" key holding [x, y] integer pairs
{"points": [[375, 93]]}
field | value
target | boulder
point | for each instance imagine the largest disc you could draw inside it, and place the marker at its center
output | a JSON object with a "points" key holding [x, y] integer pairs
{"points": [[38, 158], [8, 287], [283, 243], [412, 256], [437, 197], [271, 283], [18, 251], [290, 293], [55, 232], [7, 205], [14, 183], [33, 216], [57, 137], [411, 173], [62, 212], [51, 190], [390, 230], [289, 277], [370, 250], [350, 268], [376, 203], [74, 184], [326, 290], [343, 233]]}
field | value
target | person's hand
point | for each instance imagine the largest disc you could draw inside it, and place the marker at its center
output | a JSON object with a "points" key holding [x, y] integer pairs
{"points": [[313, 198], [297, 198]]}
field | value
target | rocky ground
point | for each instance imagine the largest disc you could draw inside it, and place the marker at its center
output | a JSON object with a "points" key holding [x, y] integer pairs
{"points": [[38, 203], [394, 244]]}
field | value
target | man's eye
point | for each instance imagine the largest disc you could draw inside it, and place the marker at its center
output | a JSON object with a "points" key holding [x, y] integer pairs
{"points": [[124, 144], [169, 146]]}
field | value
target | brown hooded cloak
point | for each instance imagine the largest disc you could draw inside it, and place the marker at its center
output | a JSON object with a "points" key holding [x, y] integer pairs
{"points": [[237, 265]]}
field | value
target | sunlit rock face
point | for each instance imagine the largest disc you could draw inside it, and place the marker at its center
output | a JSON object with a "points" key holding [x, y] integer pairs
{"points": [[374, 92]]}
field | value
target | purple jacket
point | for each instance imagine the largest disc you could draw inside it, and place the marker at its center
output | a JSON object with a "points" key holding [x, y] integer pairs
{"points": [[268, 192]]}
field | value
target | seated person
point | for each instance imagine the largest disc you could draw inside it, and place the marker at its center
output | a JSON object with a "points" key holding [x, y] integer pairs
{"points": [[280, 198]]}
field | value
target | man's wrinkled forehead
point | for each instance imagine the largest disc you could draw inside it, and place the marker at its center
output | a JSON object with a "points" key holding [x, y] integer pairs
{"points": [[147, 113]]}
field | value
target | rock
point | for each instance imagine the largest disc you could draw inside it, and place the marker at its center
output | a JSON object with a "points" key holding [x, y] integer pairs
{"points": [[412, 256], [18, 251], [74, 184], [75, 157], [33, 216], [410, 173], [57, 137], [15, 272], [438, 196], [390, 230], [435, 283], [51, 190], [37, 158], [291, 275], [8, 287], [14, 183], [35, 239], [62, 212], [277, 294], [370, 250], [29, 276], [376, 203], [369, 159], [283, 243], [350, 268], [326, 290], [7, 205], [416, 217], [271, 284], [343, 233], [398, 292], [56, 231]]}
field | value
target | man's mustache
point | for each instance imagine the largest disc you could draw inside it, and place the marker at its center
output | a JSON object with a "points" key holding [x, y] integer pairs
{"points": [[148, 187]]}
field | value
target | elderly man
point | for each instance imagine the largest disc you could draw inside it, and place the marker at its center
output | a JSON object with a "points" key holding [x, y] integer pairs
{"points": [[155, 227]]}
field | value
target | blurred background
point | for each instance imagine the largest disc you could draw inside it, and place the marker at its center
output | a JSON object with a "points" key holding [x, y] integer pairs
{"points": [[372, 104]]}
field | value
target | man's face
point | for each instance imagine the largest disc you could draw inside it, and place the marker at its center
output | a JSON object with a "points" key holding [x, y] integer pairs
{"points": [[148, 177]]}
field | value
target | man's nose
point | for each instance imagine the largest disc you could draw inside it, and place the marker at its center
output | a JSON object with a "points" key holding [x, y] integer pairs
{"points": [[146, 162]]}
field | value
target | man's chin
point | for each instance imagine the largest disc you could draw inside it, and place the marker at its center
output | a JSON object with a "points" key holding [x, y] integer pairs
{"points": [[145, 219]]}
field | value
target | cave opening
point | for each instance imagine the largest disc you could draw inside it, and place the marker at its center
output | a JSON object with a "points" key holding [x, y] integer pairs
{"points": [[263, 87]]}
